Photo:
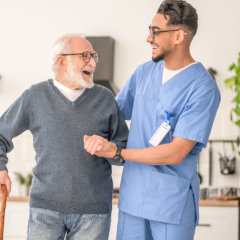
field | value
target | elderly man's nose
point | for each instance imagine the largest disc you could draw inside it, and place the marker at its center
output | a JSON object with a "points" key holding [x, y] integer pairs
{"points": [[92, 62]]}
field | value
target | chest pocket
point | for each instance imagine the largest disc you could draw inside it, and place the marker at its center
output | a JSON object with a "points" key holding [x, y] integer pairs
{"points": [[161, 116]]}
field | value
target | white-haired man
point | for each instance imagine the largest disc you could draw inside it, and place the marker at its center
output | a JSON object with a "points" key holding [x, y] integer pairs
{"points": [[71, 193]]}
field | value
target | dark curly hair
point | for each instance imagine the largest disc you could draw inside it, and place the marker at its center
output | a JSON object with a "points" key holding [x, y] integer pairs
{"points": [[180, 13]]}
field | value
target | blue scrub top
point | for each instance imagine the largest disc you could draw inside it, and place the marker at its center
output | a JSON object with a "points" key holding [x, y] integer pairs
{"points": [[159, 192]]}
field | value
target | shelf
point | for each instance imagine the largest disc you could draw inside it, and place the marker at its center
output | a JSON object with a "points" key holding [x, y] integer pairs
{"points": [[18, 199], [216, 203], [26, 199], [219, 203]]}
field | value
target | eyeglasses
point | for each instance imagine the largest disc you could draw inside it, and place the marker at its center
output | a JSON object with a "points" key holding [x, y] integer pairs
{"points": [[154, 33], [85, 55]]}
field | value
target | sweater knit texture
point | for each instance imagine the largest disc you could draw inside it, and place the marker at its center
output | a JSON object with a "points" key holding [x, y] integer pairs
{"points": [[66, 178]]}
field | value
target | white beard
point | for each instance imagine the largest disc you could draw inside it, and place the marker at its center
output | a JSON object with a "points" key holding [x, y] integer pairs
{"points": [[77, 78]]}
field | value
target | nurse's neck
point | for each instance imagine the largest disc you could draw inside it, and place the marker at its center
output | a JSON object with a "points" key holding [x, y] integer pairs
{"points": [[178, 61]]}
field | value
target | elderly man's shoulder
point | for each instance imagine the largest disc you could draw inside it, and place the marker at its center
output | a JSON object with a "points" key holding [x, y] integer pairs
{"points": [[37, 89], [38, 86], [103, 90]]}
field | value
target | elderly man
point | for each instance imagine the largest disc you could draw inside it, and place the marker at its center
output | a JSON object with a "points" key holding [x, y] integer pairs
{"points": [[71, 193]]}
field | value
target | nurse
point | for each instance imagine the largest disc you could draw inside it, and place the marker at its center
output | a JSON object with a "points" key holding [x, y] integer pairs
{"points": [[171, 102]]}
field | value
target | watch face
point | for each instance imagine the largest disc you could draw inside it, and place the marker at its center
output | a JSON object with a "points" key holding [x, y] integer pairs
{"points": [[119, 159]]}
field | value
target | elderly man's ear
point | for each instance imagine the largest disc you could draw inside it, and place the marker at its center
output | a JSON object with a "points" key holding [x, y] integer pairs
{"points": [[62, 62]]}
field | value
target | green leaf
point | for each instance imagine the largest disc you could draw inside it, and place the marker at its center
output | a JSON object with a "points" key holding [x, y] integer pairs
{"points": [[28, 179], [237, 72], [237, 110], [233, 83], [229, 82], [233, 66], [19, 177], [24, 180], [236, 99], [236, 80], [237, 89], [237, 123]]}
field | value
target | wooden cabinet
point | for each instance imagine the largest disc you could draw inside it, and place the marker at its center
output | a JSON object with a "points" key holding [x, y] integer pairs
{"points": [[221, 223]]}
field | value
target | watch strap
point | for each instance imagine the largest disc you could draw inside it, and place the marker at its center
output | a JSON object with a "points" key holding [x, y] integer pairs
{"points": [[118, 153]]}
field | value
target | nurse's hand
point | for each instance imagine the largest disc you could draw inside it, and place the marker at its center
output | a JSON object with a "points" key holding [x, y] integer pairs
{"points": [[97, 145]]}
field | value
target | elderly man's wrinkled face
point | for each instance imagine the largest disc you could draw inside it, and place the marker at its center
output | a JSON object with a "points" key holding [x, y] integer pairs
{"points": [[80, 68]]}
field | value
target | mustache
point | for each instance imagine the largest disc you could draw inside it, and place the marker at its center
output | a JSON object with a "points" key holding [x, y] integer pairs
{"points": [[88, 69]]}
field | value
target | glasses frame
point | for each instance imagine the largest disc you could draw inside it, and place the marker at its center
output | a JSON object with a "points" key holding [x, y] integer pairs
{"points": [[154, 33], [94, 55]]}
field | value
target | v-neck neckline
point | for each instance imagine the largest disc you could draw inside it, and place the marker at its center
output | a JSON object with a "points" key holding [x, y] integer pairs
{"points": [[158, 79], [183, 70], [65, 99]]}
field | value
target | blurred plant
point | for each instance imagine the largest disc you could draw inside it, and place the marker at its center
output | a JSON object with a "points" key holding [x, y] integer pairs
{"points": [[234, 83], [24, 180]]}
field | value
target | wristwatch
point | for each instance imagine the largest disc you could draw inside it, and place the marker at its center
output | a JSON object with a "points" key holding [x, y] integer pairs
{"points": [[118, 156]]}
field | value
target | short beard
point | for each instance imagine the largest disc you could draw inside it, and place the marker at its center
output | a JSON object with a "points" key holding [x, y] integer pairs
{"points": [[77, 79], [158, 58]]}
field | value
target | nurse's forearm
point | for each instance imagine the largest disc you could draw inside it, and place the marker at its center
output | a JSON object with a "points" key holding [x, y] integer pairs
{"points": [[166, 154]]}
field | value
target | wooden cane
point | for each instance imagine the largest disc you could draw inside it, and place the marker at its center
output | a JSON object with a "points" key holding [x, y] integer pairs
{"points": [[3, 206]]}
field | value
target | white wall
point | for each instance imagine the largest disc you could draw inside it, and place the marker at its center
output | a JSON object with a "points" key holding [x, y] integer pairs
{"points": [[29, 28]]}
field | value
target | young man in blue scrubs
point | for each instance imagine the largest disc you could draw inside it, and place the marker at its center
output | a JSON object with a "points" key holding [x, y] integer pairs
{"points": [[175, 95]]}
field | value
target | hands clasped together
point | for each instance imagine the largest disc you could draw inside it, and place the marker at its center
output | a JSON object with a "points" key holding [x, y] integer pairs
{"points": [[97, 145]]}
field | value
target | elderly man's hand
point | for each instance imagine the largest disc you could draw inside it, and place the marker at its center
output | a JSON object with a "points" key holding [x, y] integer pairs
{"points": [[99, 146], [4, 179]]}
